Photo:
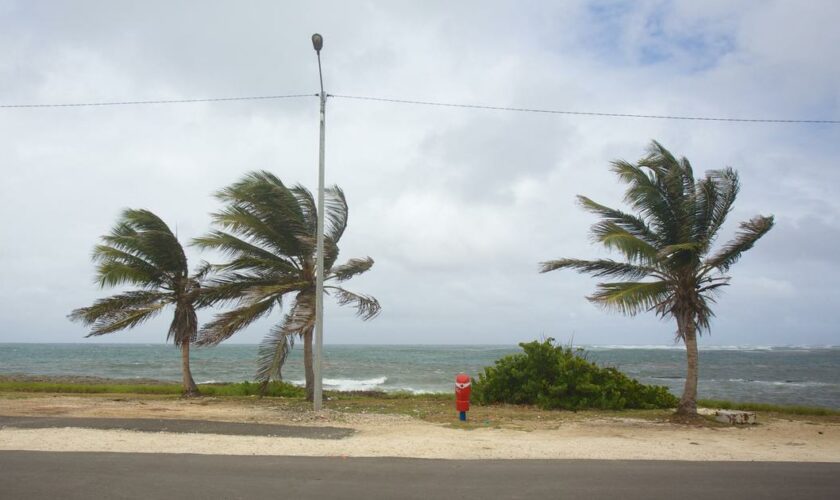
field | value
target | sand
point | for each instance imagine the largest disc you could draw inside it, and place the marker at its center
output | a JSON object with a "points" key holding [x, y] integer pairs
{"points": [[376, 435]]}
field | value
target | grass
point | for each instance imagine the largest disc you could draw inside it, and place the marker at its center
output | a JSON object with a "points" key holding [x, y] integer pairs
{"points": [[429, 407], [62, 388], [275, 389], [440, 408]]}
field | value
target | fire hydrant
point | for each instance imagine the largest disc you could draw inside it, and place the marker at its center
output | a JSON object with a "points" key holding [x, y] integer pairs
{"points": [[462, 395]]}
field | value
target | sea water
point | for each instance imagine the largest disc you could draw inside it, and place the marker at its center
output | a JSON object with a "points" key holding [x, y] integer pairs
{"points": [[785, 375]]}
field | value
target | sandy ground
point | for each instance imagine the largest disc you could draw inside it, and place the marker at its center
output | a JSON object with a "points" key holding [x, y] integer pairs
{"points": [[402, 436]]}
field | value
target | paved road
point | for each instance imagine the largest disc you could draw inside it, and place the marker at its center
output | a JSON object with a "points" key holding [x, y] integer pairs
{"points": [[175, 425], [25, 474]]}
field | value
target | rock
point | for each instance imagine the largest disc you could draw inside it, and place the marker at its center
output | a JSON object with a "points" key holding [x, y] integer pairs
{"points": [[735, 417]]}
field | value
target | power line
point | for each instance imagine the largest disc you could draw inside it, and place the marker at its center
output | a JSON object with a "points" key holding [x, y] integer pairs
{"points": [[582, 113], [168, 101], [428, 103]]}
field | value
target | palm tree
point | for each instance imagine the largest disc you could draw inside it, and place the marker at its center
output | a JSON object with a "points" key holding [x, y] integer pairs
{"points": [[269, 231], [668, 245], [141, 250]]}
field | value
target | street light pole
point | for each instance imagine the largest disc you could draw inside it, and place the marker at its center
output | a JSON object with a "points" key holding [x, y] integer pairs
{"points": [[317, 43]]}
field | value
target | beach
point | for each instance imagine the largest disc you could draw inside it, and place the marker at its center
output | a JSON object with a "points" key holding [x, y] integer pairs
{"points": [[512, 433]]}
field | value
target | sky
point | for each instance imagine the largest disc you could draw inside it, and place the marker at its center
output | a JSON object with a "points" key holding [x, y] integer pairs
{"points": [[456, 206]]}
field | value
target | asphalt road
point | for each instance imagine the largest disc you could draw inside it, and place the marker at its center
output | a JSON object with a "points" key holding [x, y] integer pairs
{"points": [[34, 475], [177, 425]]}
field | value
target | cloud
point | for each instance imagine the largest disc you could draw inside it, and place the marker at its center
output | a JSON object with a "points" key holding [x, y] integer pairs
{"points": [[457, 206]]}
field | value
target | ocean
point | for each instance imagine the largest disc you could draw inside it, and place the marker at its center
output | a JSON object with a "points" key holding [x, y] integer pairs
{"points": [[784, 375]]}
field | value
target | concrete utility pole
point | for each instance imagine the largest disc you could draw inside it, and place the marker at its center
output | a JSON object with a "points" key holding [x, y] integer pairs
{"points": [[317, 43]]}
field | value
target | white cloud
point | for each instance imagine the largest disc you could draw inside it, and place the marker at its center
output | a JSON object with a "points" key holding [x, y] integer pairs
{"points": [[457, 206]]}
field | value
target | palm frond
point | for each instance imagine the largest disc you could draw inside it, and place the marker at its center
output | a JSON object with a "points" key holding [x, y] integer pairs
{"points": [[613, 236], [630, 298], [750, 232], [258, 224], [705, 199], [646, 196], [690, 184], [669, 250], [331, 252], [273, 206], [351, 268], [143, 234], [204, 270], [231, 286], [726, 186], [367, 307], [277, 290], [600, 268], [307, 207], [670, 177], [121, 311], [336, 213], [115, 272], [272, 353], [630, 223], [227, 323], [275, 347], [277, 266]]}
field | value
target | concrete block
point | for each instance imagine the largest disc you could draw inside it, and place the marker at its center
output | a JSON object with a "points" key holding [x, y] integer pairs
{"points": [[735, 417]]}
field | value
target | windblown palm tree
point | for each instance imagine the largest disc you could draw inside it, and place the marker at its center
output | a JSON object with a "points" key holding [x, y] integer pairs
{"points": [[269, 231], [141, 250], [669, 246]]}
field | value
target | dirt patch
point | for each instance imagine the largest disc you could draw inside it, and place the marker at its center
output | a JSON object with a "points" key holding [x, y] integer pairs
{"points": [[513, 434]]}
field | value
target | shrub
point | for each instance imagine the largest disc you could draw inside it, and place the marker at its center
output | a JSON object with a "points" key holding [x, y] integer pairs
{"points": [[556, 377]]}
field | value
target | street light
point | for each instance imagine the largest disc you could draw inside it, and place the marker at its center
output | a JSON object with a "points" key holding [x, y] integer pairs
{"points": [[317, 43]]}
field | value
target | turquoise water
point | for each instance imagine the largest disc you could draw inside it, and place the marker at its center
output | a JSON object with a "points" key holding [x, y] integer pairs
{"points": [[785, 375]]}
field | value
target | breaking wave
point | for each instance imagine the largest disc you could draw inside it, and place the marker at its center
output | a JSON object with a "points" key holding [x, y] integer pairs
{"points": [[349, 384]]}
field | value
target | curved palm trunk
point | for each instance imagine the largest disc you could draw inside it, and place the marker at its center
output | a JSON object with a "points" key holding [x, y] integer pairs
{"points": [[190, 389], [688, 402], [307, 365]]}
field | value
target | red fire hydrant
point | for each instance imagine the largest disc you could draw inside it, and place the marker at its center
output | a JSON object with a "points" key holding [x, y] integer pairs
{"points": [[462, 395]]}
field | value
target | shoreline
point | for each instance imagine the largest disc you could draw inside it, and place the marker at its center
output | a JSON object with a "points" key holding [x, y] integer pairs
{"points": [[782, 375], [78, 384]]}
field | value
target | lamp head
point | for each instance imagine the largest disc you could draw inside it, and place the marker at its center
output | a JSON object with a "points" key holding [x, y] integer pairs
{"points": [[317, 42]]}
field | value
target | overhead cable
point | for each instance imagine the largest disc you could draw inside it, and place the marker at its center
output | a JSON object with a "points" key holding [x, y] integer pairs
{"points": [[433, 103], [166, 101], [583, 113]]}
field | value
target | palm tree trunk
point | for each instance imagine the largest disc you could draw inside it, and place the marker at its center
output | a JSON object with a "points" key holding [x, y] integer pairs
{"points": [[307, 365], [190, 389], [688, 402]]}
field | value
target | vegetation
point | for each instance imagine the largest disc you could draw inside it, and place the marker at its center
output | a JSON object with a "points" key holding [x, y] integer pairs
{"points": [[556, 377], [274, 389], [669, 266], [439, 408], [269, 232], [141, 250], [769, 408]]}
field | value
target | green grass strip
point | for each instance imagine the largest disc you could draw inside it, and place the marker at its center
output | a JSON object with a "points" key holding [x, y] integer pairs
{"points": [[275, 389], [282, 389]]}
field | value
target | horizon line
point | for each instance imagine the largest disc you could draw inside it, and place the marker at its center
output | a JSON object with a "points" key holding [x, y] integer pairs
{"points": [[515, 344]]}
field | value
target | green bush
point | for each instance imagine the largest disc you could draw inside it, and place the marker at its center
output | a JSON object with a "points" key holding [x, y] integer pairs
{"points": [[556, 377]]}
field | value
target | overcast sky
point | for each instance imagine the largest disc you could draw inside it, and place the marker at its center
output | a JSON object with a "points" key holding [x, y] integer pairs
{"points": [[457, 206]]}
